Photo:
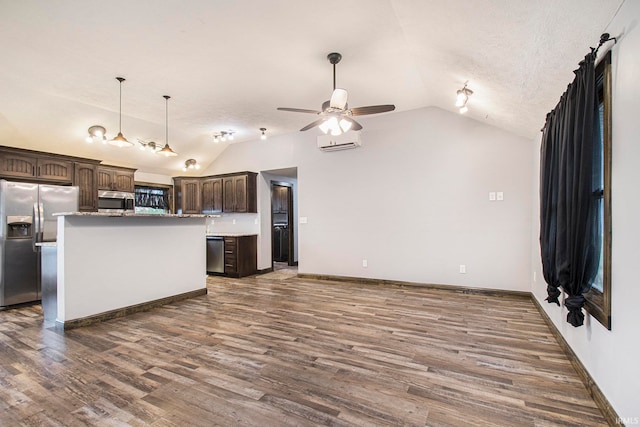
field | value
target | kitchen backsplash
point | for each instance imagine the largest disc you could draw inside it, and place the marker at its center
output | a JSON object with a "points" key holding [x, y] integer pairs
{"points": [[234, 223]]}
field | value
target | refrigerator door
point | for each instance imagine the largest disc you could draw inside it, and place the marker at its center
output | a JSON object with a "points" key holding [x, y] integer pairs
{"points": [[55, 199], [18, 262]]}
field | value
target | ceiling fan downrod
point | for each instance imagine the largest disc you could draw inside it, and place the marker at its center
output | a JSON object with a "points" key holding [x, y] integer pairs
{"points": [[334, 58]]}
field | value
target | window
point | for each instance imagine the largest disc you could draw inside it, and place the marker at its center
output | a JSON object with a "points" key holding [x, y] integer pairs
{"points": [[598, 302]]}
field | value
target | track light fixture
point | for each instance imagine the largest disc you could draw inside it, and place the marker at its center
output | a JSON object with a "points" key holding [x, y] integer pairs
{"points": [[263, 135], [462, 98], [190, 164], [96, 132], [223, 136], [149, 146], [166, 150], [120, 140]]}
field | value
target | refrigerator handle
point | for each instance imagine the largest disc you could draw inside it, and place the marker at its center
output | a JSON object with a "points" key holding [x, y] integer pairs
{"points": [[41, 221], [36, 226]]}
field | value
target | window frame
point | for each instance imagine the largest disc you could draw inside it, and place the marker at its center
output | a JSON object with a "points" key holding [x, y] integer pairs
{"points": [[598, 304]]}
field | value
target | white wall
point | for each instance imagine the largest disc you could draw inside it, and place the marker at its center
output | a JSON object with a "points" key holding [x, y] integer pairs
{"points": [[153, 178], [413, 200], [611, 357]]}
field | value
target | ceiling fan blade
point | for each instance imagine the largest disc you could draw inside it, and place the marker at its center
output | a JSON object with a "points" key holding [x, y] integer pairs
{"points": [[354, 125], [372, 109], [338, 99], [299, 110], [313, 124]]}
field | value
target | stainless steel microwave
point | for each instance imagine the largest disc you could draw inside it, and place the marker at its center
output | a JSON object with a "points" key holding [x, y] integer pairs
{"points": [[116, 202]]}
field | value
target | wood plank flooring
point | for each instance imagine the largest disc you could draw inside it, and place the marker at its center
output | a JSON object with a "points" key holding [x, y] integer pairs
{"points": [[294, 352]]}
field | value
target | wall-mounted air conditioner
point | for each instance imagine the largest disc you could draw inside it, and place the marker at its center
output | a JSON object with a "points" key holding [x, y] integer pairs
{"points": [[341, 142]]}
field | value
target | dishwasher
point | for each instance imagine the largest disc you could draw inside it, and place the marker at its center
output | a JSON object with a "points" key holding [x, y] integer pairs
{"points": [[215, 254]]}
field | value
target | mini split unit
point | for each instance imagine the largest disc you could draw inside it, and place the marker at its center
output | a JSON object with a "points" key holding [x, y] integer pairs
{"points": [[344, 141]]}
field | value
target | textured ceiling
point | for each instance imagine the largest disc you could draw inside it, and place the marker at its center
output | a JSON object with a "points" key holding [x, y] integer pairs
{"points": [[228, 64]]}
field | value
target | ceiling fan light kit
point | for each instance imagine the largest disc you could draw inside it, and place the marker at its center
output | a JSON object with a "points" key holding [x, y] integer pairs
{"points": [[263, 134], [336, 116], [190, 164]]}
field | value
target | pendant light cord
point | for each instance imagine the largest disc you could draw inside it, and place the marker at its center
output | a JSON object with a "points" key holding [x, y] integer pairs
{"points": [[120, 79], [166, 121]]}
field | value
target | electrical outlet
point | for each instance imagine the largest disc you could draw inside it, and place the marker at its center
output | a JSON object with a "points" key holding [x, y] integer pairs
{"points": [[234, 221], [499, 196], [535, 278], [303, 220], [365, 264], [463, 269], [255, 221]]}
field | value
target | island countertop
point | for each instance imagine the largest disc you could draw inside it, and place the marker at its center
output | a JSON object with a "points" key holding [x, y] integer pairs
{"points": [[133, 215]]}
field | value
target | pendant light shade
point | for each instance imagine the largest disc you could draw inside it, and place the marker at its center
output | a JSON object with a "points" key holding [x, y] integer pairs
{"points": [[120, 140], [166, 150]]}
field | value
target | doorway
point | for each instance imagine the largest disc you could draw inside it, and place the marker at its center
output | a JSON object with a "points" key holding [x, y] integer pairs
{"points": [[282, 225]]}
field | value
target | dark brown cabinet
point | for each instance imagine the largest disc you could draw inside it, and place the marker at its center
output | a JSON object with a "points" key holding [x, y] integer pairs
{"points": [[188, 195], [239, 193], [240, 256], [215, 194], [280, 199], [35, 167], [85, 179], [116, 178], [211, 195]]}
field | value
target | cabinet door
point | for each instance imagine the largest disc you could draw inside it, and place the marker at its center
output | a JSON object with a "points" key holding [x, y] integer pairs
{"points": [[17, 165], [212, 195], [55, 170], [228, 195], [85, 179], [240, 193], [105, 179], [123, 181], [190, 189]]}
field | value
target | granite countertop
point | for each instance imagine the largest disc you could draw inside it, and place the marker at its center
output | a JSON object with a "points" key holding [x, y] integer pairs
{"points": [[230, 234], [41, 244], [107, 214]]}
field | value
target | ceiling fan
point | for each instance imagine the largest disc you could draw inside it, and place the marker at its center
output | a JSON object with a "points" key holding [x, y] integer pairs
{"points": [[336, 116]]}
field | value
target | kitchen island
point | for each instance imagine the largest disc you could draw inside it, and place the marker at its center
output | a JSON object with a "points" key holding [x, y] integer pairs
{"points": [[110, 265]]}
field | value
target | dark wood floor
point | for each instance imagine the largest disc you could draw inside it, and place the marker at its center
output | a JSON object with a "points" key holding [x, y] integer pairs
{"points": [[288, 351]]}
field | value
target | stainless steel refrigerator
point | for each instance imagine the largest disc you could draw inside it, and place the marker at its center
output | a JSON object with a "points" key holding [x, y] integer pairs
{"points": [[25, 219]]}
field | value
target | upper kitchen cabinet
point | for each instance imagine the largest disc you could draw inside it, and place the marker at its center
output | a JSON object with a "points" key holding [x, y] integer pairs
{"points": [[40, 167], [116, 178], [239, 193], [280, 199], [211, 195], [187, 195], [85, 179]]}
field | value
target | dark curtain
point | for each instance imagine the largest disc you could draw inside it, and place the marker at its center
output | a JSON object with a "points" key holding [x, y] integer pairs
{"points": [[570, 177]]}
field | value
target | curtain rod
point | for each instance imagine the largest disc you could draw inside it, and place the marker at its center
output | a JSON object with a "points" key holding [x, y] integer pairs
{"points": [[605, 37]]}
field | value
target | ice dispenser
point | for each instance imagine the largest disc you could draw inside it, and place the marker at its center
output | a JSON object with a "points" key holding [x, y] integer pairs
{"points": [[19, 226]]}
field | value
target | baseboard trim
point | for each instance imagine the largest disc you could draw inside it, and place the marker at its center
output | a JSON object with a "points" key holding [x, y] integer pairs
{"points": [[452, 288], [264, 270], [125, 311], [596, 394]]}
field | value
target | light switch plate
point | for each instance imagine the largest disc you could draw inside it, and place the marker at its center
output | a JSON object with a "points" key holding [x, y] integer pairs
{"points": [[500, 195], [492, 196], [463, 269], [303, 220]]}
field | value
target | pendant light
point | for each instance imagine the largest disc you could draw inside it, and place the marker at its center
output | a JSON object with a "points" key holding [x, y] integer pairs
{"points": [[120, 140], [166, 150]]}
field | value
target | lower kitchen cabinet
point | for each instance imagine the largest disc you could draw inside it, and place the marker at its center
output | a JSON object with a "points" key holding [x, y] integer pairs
{"points": [[240, 256]]}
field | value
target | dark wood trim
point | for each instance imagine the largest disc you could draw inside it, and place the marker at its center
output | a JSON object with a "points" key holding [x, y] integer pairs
{"points": [[51, 155], [452, 288], [125, 311], [596, 394]]}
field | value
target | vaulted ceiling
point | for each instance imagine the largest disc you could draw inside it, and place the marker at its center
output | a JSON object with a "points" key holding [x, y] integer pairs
{"points": [[229, 64]]}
